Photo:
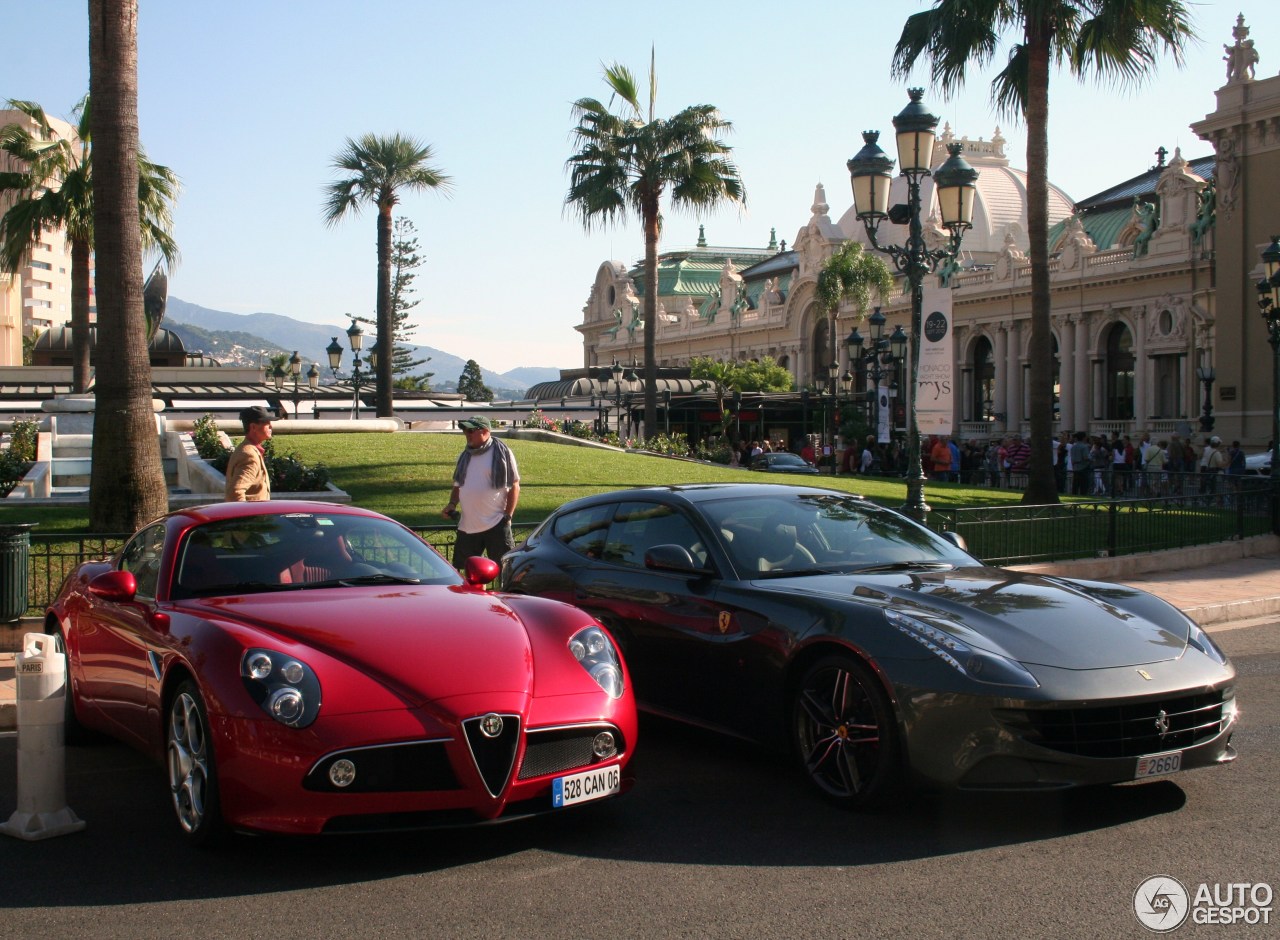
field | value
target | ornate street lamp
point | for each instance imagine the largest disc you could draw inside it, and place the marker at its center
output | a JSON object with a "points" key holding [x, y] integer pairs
{"points": [[359, 378], [870, 173], [1269, 305], [295, 370]]}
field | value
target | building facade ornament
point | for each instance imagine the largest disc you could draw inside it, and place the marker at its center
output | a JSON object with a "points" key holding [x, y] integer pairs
{"points": [[1241, 58]]}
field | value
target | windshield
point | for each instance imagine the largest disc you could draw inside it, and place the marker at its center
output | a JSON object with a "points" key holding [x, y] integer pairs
{"points": [[818, 533], [290, 551]]}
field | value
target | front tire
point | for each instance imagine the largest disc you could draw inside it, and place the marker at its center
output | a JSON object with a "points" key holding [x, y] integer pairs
{"points": [[193, 776], [73, 733], [845, 733]]}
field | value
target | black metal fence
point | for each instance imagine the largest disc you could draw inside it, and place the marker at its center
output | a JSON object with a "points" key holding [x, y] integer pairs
{"points": [[1177, 515], [1146, 514]]}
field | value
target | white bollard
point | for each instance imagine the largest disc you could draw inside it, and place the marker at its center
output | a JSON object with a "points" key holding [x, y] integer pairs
{"points": [[42, 811]]}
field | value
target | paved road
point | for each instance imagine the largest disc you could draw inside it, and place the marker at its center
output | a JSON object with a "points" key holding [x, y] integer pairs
{"points": [[717, 841]]}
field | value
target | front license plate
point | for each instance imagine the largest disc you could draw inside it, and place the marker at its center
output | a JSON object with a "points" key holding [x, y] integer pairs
{"points": [[1158, 764], [588, 785]]}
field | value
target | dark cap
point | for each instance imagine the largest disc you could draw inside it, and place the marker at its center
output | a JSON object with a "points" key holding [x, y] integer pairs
{"points": [[474, 423], [256, 415]]}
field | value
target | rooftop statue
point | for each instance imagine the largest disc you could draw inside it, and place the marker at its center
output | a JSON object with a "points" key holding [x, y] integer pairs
{"points": [[1241, 58]]}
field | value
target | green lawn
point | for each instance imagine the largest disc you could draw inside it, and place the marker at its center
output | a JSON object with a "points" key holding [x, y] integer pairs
{"points": [[407, 477]]}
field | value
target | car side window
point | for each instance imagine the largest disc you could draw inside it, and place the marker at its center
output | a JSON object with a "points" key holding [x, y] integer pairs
{"points": [[638, 526], [584, 531], [142, 557]]}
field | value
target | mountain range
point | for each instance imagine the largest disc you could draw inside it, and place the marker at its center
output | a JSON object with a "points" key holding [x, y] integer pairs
{"points": [[244, 338]]}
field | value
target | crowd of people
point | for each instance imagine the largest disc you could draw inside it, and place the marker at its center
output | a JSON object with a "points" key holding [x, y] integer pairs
{"points": [[1082, 465]]}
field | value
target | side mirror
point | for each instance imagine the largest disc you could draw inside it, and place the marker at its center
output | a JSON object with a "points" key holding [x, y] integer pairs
{"points": [[673, 558], [119, 587], [481, 570], [956, 539]]}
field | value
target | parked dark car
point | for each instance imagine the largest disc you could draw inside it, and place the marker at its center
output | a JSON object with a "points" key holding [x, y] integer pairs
{"points": [[878, 651], [782, 462]]}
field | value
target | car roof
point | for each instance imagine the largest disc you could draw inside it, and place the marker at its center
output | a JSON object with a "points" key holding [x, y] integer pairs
{"points": [[273, 507], [694, 493]]}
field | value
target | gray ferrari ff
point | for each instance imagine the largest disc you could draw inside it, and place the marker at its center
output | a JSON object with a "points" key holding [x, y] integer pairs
{"points": [[878, 651]]}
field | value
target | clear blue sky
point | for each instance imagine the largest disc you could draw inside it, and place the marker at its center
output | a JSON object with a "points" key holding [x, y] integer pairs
{"points": [[248, 100]]}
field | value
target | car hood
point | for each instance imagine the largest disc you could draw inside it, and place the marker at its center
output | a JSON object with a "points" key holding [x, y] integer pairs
{"points": [[425, 643], [1034, 619]]}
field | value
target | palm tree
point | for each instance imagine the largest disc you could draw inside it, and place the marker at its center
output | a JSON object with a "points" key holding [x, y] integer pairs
{"points": [[631, 159], [380, 169], [850, 275], [127, 487], [54, 187], [1119, 41]]}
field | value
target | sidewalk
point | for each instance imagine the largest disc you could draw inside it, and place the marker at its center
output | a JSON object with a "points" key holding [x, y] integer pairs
{"points": [[1218, 594]]}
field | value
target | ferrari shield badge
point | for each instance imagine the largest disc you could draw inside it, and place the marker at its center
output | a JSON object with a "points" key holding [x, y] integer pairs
{"points": [[726, 619]]}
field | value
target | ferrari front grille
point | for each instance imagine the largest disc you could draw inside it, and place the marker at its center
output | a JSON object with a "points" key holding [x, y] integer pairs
{"points": [[559, 749], [1128, 729]]}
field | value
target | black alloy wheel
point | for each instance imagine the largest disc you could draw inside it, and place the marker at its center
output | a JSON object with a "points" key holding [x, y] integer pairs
{"points": [[845, 733]]}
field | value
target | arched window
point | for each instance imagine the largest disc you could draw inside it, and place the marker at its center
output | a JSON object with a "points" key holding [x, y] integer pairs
{"points": [[984, 381], [1119, 374]]}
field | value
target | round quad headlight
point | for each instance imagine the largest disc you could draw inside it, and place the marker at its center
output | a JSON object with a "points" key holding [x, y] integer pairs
{"points": [[594, 650], [285, 688], [258, 665], [287, 705]]}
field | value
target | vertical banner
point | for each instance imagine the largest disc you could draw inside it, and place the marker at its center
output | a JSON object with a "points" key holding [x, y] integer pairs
{"points": [[934, 384], [884, 415]]}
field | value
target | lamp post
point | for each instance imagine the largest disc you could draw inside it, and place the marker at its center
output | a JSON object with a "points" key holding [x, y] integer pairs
{"points": [[1269, 305], [359, 378], [295, 370], [833, 400], [870, 173]]}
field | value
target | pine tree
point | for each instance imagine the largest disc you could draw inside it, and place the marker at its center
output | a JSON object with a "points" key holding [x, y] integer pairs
{"points": [[404, 261], [471, 383]]}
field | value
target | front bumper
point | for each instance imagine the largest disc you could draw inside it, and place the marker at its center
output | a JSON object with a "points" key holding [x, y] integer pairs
{"points": [[978, 742], [412, 771]]}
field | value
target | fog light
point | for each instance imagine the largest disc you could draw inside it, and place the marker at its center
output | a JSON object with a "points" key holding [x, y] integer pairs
{"points": [[342, 773], [604, 745]]}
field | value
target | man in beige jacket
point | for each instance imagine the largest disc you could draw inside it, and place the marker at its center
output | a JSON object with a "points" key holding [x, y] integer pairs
{"points": [[247, 479]]}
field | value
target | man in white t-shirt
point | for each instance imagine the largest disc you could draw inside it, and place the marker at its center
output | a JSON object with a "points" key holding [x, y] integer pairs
{"points": [[486, 489]]}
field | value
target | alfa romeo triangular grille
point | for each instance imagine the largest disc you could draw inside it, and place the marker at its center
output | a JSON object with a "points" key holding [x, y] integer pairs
{"points": [[493, 740]]}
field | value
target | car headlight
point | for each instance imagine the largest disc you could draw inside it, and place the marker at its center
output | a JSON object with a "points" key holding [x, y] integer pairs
{"points": [[1198, 639], [978, 664], [595, 652], [283, 686]]}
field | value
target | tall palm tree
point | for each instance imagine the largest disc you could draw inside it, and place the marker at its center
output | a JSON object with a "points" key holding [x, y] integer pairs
{"points": [[54, 187], [1117, 40], [629, 160], [380, 169], [127, 487]]}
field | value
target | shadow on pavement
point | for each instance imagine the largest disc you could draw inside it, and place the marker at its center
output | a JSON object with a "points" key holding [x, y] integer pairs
{"points": [[701, 800]]}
